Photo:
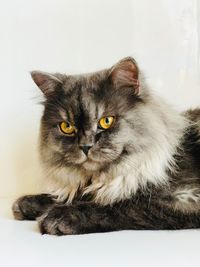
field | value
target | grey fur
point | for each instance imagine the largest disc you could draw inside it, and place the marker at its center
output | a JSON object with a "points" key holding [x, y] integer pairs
{"points": [[151, 153]]}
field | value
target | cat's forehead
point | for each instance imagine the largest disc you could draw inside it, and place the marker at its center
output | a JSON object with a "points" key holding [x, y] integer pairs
{"points": [[94, 96], [86, 83], [86, 92]]}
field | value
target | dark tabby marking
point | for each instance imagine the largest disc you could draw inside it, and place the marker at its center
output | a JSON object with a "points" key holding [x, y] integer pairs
{"points": [[141, 173]]}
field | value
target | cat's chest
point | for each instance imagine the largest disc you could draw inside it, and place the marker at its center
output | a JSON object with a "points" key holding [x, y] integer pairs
{"points": [[104, 187]]}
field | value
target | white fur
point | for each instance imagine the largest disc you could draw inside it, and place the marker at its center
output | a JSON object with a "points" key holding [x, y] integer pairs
{"points": [[185, 195], [65, 182]]}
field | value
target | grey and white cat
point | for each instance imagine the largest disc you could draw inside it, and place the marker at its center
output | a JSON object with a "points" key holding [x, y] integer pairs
{"points": [[117, 156]]}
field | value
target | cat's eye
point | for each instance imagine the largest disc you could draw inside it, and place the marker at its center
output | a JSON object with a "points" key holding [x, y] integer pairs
{"points": [[67, 128], [106, 122]]}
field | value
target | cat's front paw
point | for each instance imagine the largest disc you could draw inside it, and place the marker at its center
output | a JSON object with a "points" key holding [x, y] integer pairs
{"points": [[31, 206], [17, 209], [60, 220]]}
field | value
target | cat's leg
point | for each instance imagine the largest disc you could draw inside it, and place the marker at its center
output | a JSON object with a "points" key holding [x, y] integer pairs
{"points": [[90, 218], [77, 219], [31, 206]]}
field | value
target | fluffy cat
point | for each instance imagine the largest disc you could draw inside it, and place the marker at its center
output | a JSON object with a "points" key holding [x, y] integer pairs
{"points": [[117, 157]]}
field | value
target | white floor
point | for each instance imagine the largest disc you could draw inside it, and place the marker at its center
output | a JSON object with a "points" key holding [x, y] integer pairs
{"points": [[22, 245]]}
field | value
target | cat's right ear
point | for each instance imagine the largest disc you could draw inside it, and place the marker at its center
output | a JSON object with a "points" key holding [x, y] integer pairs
{"points": [[46, 82]]}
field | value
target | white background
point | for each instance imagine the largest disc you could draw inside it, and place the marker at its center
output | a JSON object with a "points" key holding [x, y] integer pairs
{"points": [[81, 36]]}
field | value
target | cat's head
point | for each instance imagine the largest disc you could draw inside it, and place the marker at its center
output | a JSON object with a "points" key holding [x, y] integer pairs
{"points": [[89, 119]]}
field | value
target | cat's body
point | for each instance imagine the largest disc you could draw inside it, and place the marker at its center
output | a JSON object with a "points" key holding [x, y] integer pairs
{"points": [[140, 172]]}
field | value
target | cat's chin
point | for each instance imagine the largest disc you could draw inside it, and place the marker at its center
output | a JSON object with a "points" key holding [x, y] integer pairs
{"points": [[91, 165]]}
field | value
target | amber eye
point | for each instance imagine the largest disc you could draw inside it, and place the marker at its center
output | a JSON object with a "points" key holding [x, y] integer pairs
{"points": [[66, 128], [106, 122]]}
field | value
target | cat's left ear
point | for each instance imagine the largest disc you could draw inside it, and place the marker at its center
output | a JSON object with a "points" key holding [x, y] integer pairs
{"points": [[126, 74], [47, 82]]}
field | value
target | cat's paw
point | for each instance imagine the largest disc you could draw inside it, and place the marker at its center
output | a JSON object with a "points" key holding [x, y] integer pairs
{"points": [[31, 206], [60, 220], [17, 209]]}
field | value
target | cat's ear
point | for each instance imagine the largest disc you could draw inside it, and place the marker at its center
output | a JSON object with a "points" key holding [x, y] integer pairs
{"points": [[46, 82], [126, 73]]}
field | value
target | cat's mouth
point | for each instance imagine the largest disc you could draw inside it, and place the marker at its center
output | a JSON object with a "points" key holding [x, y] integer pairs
{"points": [[91, 165], [87, 162], [96, 160]]}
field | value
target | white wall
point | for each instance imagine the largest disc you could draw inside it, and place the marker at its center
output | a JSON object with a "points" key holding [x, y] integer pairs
{"points": [[81, 36]]}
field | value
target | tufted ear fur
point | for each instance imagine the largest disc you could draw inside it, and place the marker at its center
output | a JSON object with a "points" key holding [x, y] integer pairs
{"points": [[126, 73], [46, 82]]}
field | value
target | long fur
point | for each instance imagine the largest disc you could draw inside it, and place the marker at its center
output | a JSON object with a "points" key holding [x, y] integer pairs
{"points": [[141, 173], [161, 129]]}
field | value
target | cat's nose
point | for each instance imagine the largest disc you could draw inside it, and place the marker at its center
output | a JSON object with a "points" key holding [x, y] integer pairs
{"points": [[85, 148]]}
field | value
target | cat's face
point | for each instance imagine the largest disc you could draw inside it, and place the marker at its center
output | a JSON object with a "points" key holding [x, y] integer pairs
{"points": [[87, 118]]}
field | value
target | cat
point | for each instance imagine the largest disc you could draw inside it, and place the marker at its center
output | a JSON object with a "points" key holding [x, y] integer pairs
{"points": [[117, 156]]}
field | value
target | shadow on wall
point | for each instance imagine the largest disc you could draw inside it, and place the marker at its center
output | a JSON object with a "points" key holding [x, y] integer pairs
{"points": [[27, 166], [21, 172]]}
